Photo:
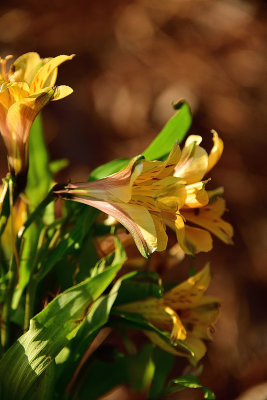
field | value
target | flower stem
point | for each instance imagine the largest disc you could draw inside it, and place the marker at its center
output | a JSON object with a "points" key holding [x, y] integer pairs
{"points": [[12, 275], [29, 304]]}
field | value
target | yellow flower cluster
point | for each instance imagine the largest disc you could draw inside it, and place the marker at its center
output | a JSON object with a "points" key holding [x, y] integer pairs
{"points": [[185, 312], [148, 195], [24, 90]]}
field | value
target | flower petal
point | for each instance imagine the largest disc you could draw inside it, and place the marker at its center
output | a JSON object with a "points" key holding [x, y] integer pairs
{"points": [[199, 239], [162, 237], [196, 195], [43, 77], [137, 220], [25, 67], [193, 163], [155, 311], [117, 187], [199, 320], [198, 348], [61, 92], [207, 217], [188, 293], [178, 349], [216, 151]]}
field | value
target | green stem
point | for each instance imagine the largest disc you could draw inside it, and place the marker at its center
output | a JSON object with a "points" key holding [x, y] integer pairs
{"points": [[36, 213], [29, 304], [12, 275], [5, 323]]}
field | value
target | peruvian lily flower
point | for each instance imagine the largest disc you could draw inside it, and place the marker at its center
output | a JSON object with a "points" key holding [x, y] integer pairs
{"points": [[202, 209], [137, 197], [148, 195], [185, 312], [24, 90]]}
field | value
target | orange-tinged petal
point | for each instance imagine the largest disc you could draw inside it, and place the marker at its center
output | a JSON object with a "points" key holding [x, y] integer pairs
{"points": [[43, 76], [216, 151], [115, 187], [138, 221], [25, 67], [196, 195]]}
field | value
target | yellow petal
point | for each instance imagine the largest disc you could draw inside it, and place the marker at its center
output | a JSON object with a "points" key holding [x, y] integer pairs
{"points": [[197, 347], [61, 92], [156, 312], [19, 120], [197, 239], [25, 67], [216, 151], [162, 237], [196, 195], [177, 349], [199, 320], [193, 163], [187, 294], [12, 92], [207, 217], [179, 228], [44, 74], [157, 170], [21, 114]]}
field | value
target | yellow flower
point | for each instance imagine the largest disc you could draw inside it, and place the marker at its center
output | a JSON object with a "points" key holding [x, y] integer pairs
{"points": [[147, 195], [24, 90], [202, 208], [185, 312]]}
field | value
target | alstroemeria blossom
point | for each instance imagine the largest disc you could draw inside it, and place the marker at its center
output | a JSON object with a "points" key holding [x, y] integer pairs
{"points": [[148, 195], [184, 311], [24, 90], [202, 208]]}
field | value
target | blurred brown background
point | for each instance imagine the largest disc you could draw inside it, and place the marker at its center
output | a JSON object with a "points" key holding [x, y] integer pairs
{"points": [[133, 59]]}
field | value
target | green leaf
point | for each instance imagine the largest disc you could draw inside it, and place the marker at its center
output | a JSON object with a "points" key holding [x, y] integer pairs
{"points": [[44, 388], [71, 241], [138, 285], [101, 377], [109, 168], [175, 129], [163, 362], [141, 368], [96, 318], [50, 331], [57, 165], [39, 179], [138, 322], [188, 381]]}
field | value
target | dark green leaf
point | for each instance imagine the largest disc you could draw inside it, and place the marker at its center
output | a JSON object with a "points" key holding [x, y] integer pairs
{"points": [[139, 285], [189, 381], [163, 362]]}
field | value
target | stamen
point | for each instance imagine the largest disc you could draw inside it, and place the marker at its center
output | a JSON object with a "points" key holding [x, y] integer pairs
{"points": [[3, 66]]}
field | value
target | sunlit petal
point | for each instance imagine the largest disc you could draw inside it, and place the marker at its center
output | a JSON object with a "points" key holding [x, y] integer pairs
{"points": [[216, 151]]}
